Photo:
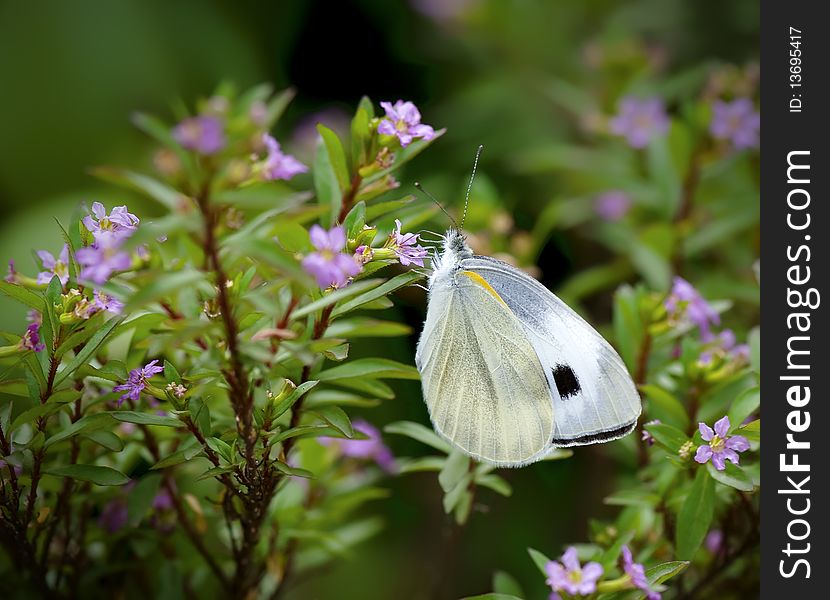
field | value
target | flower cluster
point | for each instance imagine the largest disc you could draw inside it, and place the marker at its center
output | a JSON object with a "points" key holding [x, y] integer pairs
{"points": [[277, 164], [737, 122], [106, 254], [639, 121], [332, 267]]}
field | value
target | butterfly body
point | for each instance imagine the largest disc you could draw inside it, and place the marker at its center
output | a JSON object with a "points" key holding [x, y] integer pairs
{"points": [[509, 371]]}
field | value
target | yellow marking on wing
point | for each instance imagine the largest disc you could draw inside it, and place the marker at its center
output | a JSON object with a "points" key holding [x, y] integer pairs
{"points": [[483, 283]]}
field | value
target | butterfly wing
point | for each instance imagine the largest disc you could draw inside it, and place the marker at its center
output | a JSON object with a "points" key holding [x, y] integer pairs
{"points": [[594, 398], [482, 381]]}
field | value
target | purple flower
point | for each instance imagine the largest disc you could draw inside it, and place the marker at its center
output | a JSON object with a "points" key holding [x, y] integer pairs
{"points": [[371, 449], [137, 381], [638, 575], [162, 500], [612, 206], [724, 344], [404, 121], [722, 447], [53, 266], [31, 339], [279, 165], [736, 121], [204, 134], [114, 515], [569, 577], [685, 300], [108, 303], [329, 265], [640, 121], [406, 247], [101, 259], [120, 222], [714, 542]]}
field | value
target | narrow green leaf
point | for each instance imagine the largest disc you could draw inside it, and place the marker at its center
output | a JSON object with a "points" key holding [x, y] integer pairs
{"points": [[88, 350], [171, 374], [743, 406], [326, 187], [336, 296], [337, 156], [665, 406], [107, 439], [152, 188], [455, 468], [337, 418], [374, 368], [140, 498], [496, 483], [93, 473], [380, 291], [665, 571], [163, 284], [733, 476], [355, 220], [695, 515], [22, 294], [288, 402], [293, 471], [418, 432], [131, 416], [84, 425], [539, 559], [671, 437]]}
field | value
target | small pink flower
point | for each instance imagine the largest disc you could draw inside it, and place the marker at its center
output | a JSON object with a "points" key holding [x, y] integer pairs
{"points": [[371, 449], [279, 165], [570, 577], [406, 247], [204, 134], [640, 121], [721, 447], [329, 265], [31, 339], [404, 121], [120, 221], [54, 266]]}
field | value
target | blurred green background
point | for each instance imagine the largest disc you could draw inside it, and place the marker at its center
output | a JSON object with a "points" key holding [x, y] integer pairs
{"points": [[504, 74]]}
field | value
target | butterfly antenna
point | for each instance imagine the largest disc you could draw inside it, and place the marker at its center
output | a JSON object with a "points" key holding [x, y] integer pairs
{"points": [[470, 186], [431, 197]]}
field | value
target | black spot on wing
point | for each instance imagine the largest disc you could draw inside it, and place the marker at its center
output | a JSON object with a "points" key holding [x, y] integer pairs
{"points": [[566, 381]]}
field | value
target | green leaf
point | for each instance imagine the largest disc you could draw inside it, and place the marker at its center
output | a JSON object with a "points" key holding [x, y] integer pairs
{"points": [[171, 374], [22, 294], [131, 416], [93, 473], [200, 415], [64, 396], [288, 402], [456, 467], [665, 406], [180, 456], [418, 432], [220, 447], [375, 211], [733, 476], [383, 290], [492, 596], [504, 583], [417, 465], [293, 471], [215, 472], [337, 156], [88, 350], [107, 439], [406, 154], [373, 368], [305, 431], [669, 436], [34, 413], [743, 406], [153, 188], [539, 559], [751, 431], [337, 418], [355, 220], [85, 424], [336, 296], [634, 497], [359, 327], [163, 284], [292, 236], [277, 106], [665, 571], [326, 186], [695, 515], [360, 135], [495, 483]]}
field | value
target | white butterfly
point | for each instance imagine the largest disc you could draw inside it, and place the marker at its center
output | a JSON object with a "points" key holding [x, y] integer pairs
{"points": [[509, 372]]}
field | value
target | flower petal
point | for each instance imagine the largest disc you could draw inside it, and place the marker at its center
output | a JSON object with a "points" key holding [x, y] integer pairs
{"points": [[570, 559], [717, 460], [722, 426], [703, 454], [705, 431], [318, 236], [738, 443], [46, 259]]}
